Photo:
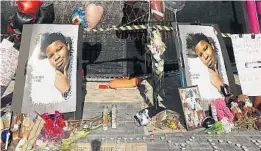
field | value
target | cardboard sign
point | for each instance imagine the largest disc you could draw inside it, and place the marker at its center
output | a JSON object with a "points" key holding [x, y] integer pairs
{"points": [[248, 60]]}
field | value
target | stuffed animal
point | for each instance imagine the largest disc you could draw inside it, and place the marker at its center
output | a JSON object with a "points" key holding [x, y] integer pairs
{"points": [[257, 102], [142, 117], [236, 111], [246, 105]]}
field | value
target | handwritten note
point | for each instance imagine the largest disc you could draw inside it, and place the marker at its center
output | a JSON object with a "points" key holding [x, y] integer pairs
{"points": [[9, 61], [247, 51], [37, 78]]}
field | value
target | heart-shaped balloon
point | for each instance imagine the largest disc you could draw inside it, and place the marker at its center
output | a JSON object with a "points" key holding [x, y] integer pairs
{"points": [[93, 14], [174, 5]]}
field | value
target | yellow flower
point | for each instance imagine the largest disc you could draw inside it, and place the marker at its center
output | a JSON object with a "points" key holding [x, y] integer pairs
{"points": [[173, 125]]}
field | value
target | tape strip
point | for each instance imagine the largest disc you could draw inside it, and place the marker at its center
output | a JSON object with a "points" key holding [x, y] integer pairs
{"points": [[142, 27]]}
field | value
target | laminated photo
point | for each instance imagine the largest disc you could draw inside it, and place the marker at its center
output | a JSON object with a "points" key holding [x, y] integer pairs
{"points": [[203, 61], [50, 68]]}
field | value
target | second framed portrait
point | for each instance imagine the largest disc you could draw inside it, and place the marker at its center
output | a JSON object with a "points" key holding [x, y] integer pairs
{"points": [[206, 61]]}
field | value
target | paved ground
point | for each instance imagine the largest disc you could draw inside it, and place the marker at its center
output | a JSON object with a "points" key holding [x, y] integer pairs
{"points": [[128, 132]]}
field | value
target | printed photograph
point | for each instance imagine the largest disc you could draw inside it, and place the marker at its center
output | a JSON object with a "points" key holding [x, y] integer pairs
{"points": [[204, 63], [192, 107], [51, 68]]}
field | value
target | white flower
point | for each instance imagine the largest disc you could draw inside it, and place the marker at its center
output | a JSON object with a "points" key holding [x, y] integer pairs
{"points": [[227, 126]]}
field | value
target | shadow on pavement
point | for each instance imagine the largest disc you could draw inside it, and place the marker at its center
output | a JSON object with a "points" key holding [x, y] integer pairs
{"points": [[96, 145]]}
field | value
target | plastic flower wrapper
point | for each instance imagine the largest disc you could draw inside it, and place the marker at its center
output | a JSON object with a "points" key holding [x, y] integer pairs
{"points": [[67, 143], [222, 126], [217, 128], [157, 42], [227, 126], [157, 48]]}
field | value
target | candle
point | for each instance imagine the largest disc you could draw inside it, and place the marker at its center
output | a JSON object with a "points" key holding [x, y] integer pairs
{"points": [[7, 140], [1, 124]]}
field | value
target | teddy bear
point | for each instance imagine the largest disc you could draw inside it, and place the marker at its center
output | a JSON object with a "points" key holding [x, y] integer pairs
{"points": [[246, 105]]}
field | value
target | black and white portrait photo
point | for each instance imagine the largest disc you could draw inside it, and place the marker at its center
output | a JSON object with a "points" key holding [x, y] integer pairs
{"points": [[204, 63], [51, 69]]}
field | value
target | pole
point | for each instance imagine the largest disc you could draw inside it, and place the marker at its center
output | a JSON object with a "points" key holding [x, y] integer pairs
{"points": [[258, 8], [252, 16], [181, 59]]}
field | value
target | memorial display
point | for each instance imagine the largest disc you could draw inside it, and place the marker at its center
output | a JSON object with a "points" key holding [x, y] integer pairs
{"points": [[79, 84]]}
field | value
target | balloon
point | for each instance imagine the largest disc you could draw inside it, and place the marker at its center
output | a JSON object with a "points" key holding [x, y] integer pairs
{"points": [[93, 15], [19, 20], [131, 1], [174, 5], [28, 6], [45, 15], [78, 17], [157, 9]]}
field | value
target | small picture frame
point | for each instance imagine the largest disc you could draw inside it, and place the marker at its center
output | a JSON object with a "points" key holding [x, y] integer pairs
{"points": [[192, 107]]}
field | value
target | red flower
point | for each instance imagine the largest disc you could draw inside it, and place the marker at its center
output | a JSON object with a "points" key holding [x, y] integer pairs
{"points": [[53, 127], [49, 124]]}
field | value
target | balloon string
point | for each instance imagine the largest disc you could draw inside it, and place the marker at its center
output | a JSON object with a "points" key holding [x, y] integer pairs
{"points": [[182, 76], [136, 19], [148, 39]]}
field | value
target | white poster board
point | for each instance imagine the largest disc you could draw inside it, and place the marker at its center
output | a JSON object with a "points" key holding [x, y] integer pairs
{"points": [[46, 78], [247, 51]]}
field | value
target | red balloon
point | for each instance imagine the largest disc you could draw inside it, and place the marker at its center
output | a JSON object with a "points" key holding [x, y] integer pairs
{"points": [[157, 9], [28, 6]]}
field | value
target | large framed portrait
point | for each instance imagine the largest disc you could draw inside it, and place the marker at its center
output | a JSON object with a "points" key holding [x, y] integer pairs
{"points": [[47, 77], [192, 107], [203, 52]]}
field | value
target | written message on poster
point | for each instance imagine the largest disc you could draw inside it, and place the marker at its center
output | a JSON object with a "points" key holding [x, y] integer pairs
{"points": [[247, 51]]}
